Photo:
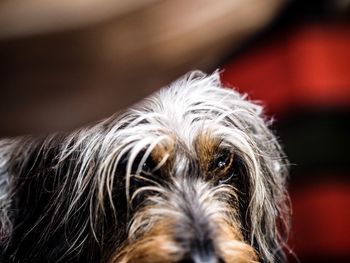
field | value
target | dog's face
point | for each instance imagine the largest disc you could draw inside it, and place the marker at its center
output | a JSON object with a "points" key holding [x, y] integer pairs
{"points": [[192, 174], [184, 201]]}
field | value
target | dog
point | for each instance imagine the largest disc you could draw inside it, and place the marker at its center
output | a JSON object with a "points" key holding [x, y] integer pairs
{"points": [[193, 173]]}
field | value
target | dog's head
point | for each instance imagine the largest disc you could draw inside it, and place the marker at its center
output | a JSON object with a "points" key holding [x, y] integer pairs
{"points": [[191, 174]]}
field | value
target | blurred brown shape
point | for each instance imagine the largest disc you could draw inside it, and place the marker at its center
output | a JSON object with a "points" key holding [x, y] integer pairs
{"points": [[64, 64]]}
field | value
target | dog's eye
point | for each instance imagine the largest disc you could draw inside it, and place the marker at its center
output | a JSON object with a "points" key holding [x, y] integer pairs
{"points": [[224, 167], [222, 161], [148, 166]]}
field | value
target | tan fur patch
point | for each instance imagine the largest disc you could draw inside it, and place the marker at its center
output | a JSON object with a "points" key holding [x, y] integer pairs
{"points": [[162, 150], [206, 147], [231, 245], [208, 150], [156, 246]]}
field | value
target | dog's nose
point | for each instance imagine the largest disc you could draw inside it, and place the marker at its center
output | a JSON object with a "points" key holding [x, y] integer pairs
{"points": [[200, 261], [195, 258]]}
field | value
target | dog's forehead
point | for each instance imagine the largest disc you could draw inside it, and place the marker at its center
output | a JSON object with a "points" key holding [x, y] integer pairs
{"points": [[187, 136], [203, 145], [192, 117], [186, 112], [176, 157]]}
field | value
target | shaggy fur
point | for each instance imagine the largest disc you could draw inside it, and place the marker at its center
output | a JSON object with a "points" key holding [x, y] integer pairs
{"points": [[191, 174]]}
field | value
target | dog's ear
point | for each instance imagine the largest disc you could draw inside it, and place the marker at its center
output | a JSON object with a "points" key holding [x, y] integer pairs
{"points": [[16, 160], [267, 167], [274, 172], [22, 162], [48, 186]]}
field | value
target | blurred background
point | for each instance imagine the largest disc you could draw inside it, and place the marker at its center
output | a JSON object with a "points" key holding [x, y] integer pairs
{"points": [[299, 68], [70, 63]]}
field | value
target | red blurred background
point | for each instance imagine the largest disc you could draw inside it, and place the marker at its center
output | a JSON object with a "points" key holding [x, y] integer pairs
{"points": [[301, 73]]}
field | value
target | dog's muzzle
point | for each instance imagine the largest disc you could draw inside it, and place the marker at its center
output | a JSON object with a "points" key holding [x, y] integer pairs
{"points": [[190, 223]]}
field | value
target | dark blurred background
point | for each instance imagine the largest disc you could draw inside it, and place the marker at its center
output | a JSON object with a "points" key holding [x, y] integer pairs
{"points": [[299, 68]]}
